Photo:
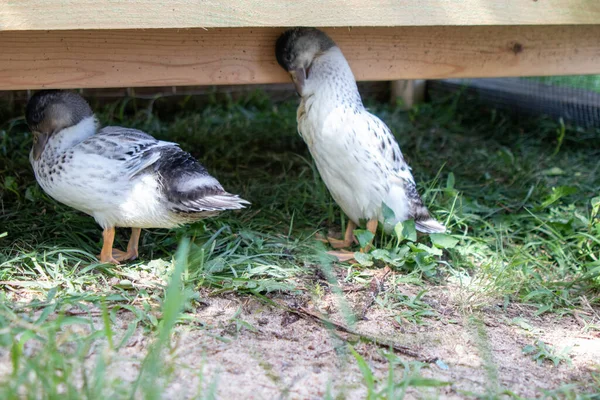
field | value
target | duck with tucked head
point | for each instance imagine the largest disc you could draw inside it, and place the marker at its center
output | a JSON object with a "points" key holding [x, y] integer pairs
{"points": [[355, 153], [122, 177]]}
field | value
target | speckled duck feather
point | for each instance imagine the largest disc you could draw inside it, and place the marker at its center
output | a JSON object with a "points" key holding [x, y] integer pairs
{"points": [[355, 152], [125, 177]]}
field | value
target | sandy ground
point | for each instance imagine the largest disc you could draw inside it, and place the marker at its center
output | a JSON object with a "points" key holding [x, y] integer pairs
{"points": [[299, 357], [252, 350]]}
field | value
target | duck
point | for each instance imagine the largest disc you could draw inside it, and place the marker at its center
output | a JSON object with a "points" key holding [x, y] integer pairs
{"points": [[122, 177], [355, 152]]}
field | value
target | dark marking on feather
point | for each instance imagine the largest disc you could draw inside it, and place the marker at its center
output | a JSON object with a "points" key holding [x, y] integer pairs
{"points": [[417, 210], [176, 166]]}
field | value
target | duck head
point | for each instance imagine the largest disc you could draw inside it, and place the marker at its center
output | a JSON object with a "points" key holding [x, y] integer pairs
{"points": [[297, 48], [50, 111]]}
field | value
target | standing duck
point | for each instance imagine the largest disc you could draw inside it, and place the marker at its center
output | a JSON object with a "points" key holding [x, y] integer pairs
{"points": [[354, 151], [122, 177]]}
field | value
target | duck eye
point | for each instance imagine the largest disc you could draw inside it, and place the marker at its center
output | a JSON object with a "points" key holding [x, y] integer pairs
{"points": [[35, 138]]}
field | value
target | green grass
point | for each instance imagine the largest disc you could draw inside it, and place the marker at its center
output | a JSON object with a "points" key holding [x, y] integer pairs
{"points": [[541, 352], [520, 197], [393, 386]]}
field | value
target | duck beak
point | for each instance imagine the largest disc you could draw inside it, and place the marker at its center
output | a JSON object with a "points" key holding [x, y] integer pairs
{"points": [[298, 76], [39, 143]]}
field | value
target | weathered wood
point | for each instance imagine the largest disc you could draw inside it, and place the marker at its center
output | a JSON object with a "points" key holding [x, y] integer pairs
{"points": [[153, 14], [168, 57]]}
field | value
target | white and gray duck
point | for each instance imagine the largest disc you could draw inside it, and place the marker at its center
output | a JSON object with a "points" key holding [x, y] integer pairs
{"points": [[122, 177], [355, 152]]}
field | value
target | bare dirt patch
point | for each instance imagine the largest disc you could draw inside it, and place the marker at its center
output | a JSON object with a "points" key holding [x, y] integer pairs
{"points": [[243, 347], [251, 350]]}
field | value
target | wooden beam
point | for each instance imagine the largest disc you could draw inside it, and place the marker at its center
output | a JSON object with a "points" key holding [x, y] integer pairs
{"points": [[169, 57], [154, 14]]}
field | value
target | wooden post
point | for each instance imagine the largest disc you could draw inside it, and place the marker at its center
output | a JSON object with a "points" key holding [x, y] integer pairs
{"points": [[408, 92]]}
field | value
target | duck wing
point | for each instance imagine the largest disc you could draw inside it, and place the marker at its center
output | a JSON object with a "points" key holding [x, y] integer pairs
{"points": [[381, 145], [135, 149], [189, 187], [185, 183]]}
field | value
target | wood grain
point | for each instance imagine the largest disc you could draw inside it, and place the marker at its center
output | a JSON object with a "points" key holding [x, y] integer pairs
{"points": [[169, 57], [153, 14]]}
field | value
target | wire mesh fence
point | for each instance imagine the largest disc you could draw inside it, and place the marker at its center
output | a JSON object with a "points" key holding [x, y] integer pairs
{"points": [[575, 99]]}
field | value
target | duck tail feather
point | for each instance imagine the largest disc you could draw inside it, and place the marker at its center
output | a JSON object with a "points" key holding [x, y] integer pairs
{"points": [[430, 225], [217, 202]]}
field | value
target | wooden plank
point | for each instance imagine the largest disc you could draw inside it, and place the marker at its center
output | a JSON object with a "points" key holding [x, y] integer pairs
{"points": [[153, 14], [130, 58]]}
